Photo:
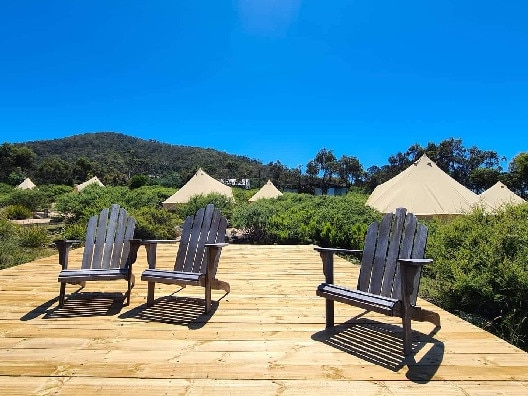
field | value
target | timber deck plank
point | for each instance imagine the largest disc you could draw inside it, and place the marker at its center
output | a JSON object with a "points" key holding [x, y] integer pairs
{"points": [[266, 336]]}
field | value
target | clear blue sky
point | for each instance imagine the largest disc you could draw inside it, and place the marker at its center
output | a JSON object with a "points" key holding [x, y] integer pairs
{"points": [[269, 79]]}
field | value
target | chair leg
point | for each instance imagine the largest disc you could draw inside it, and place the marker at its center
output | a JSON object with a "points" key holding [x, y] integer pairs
{"points": [[131, 283], [407, 336], [150, 293], [329, 313], [62, 294], [207, 298]]}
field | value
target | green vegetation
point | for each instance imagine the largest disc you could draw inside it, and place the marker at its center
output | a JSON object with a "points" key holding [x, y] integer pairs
{"points": [[21, 244], [480, 270], [17, 212], [303, 219]]}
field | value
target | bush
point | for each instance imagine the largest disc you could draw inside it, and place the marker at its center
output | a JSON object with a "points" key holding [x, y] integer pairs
{"points": [[153, 223], [79, 207], [11, 250], [75, 231], [17, 212], [33, 237], [33, 199], [480, 270], [8, 230], [137, 181], [146, 196], [196, 202], [303, 219]]}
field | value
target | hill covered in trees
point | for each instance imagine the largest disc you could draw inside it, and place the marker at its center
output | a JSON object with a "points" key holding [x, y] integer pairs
{"points": [[117, 159]]}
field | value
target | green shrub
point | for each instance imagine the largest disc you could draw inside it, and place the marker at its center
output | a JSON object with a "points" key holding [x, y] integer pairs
{"points": [[33, 237], [137, 181], [153, 223], [480, 270], [79, 207], [196, 202], [146, 196], [301, 218], [75, 231], [11, 250], [8, 230], [17, 212], [33, 199]]}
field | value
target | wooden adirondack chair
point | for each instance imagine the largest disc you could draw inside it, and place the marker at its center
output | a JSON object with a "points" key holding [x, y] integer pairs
{"points": [[109, 251], [389, 276], [197, 258]]}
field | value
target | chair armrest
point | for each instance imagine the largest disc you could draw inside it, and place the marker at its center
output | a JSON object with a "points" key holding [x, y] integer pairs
{"points": [[132, 255], [156, 241], [63, 246], [337, 250], [61, 242], [414, 262], [327, 255], [409, 269], [216, 245]]}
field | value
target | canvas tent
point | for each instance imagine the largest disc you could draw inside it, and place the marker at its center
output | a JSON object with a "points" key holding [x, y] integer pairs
{"points": [[27, 184], [268, 190], [93, 180], [200, 184], [425, 190], [499, 195]]}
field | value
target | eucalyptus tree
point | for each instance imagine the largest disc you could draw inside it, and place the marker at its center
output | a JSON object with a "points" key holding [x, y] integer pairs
{"points": [[349, 170]]}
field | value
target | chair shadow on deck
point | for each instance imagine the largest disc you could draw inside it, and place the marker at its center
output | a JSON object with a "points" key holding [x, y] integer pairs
{"points": [[174, 310], [85, 304], [381, 344]]}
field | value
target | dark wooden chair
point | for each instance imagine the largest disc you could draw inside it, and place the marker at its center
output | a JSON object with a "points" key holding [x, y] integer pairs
{"points": [[389, 276], [199, 250], [109, 251]]}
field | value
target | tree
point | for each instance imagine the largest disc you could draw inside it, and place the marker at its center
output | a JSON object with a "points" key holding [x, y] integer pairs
{"points": [[17, 160], [54, 170], [519, 174], [453, 158], [349, 170], [481, 179], [402, 161], [327, 163], [83, 170], [277, 172]]}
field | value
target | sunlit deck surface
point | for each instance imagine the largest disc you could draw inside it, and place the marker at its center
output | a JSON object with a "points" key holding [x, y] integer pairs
{"points": [[264, 338]]}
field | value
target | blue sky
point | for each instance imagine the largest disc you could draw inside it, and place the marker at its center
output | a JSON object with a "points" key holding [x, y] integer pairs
{"points": [[272, 80]]}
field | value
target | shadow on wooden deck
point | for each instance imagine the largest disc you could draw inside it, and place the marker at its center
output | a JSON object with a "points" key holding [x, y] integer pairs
{"points": [[186, 311], [79, 304], [381, 344]]}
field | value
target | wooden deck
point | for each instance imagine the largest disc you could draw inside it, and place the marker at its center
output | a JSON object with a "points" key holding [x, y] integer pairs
{"points": [[264, 338]]}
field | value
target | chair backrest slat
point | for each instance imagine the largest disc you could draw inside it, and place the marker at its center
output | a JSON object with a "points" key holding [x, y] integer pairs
{"points": [[194, 239], [108, 237], [129, 234], [394, 252], [380, 255], [397, 236], [206, 226], [112, 227], [89, 242], [367, 261], [196, 265], [418, 251], [216, 235]]}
